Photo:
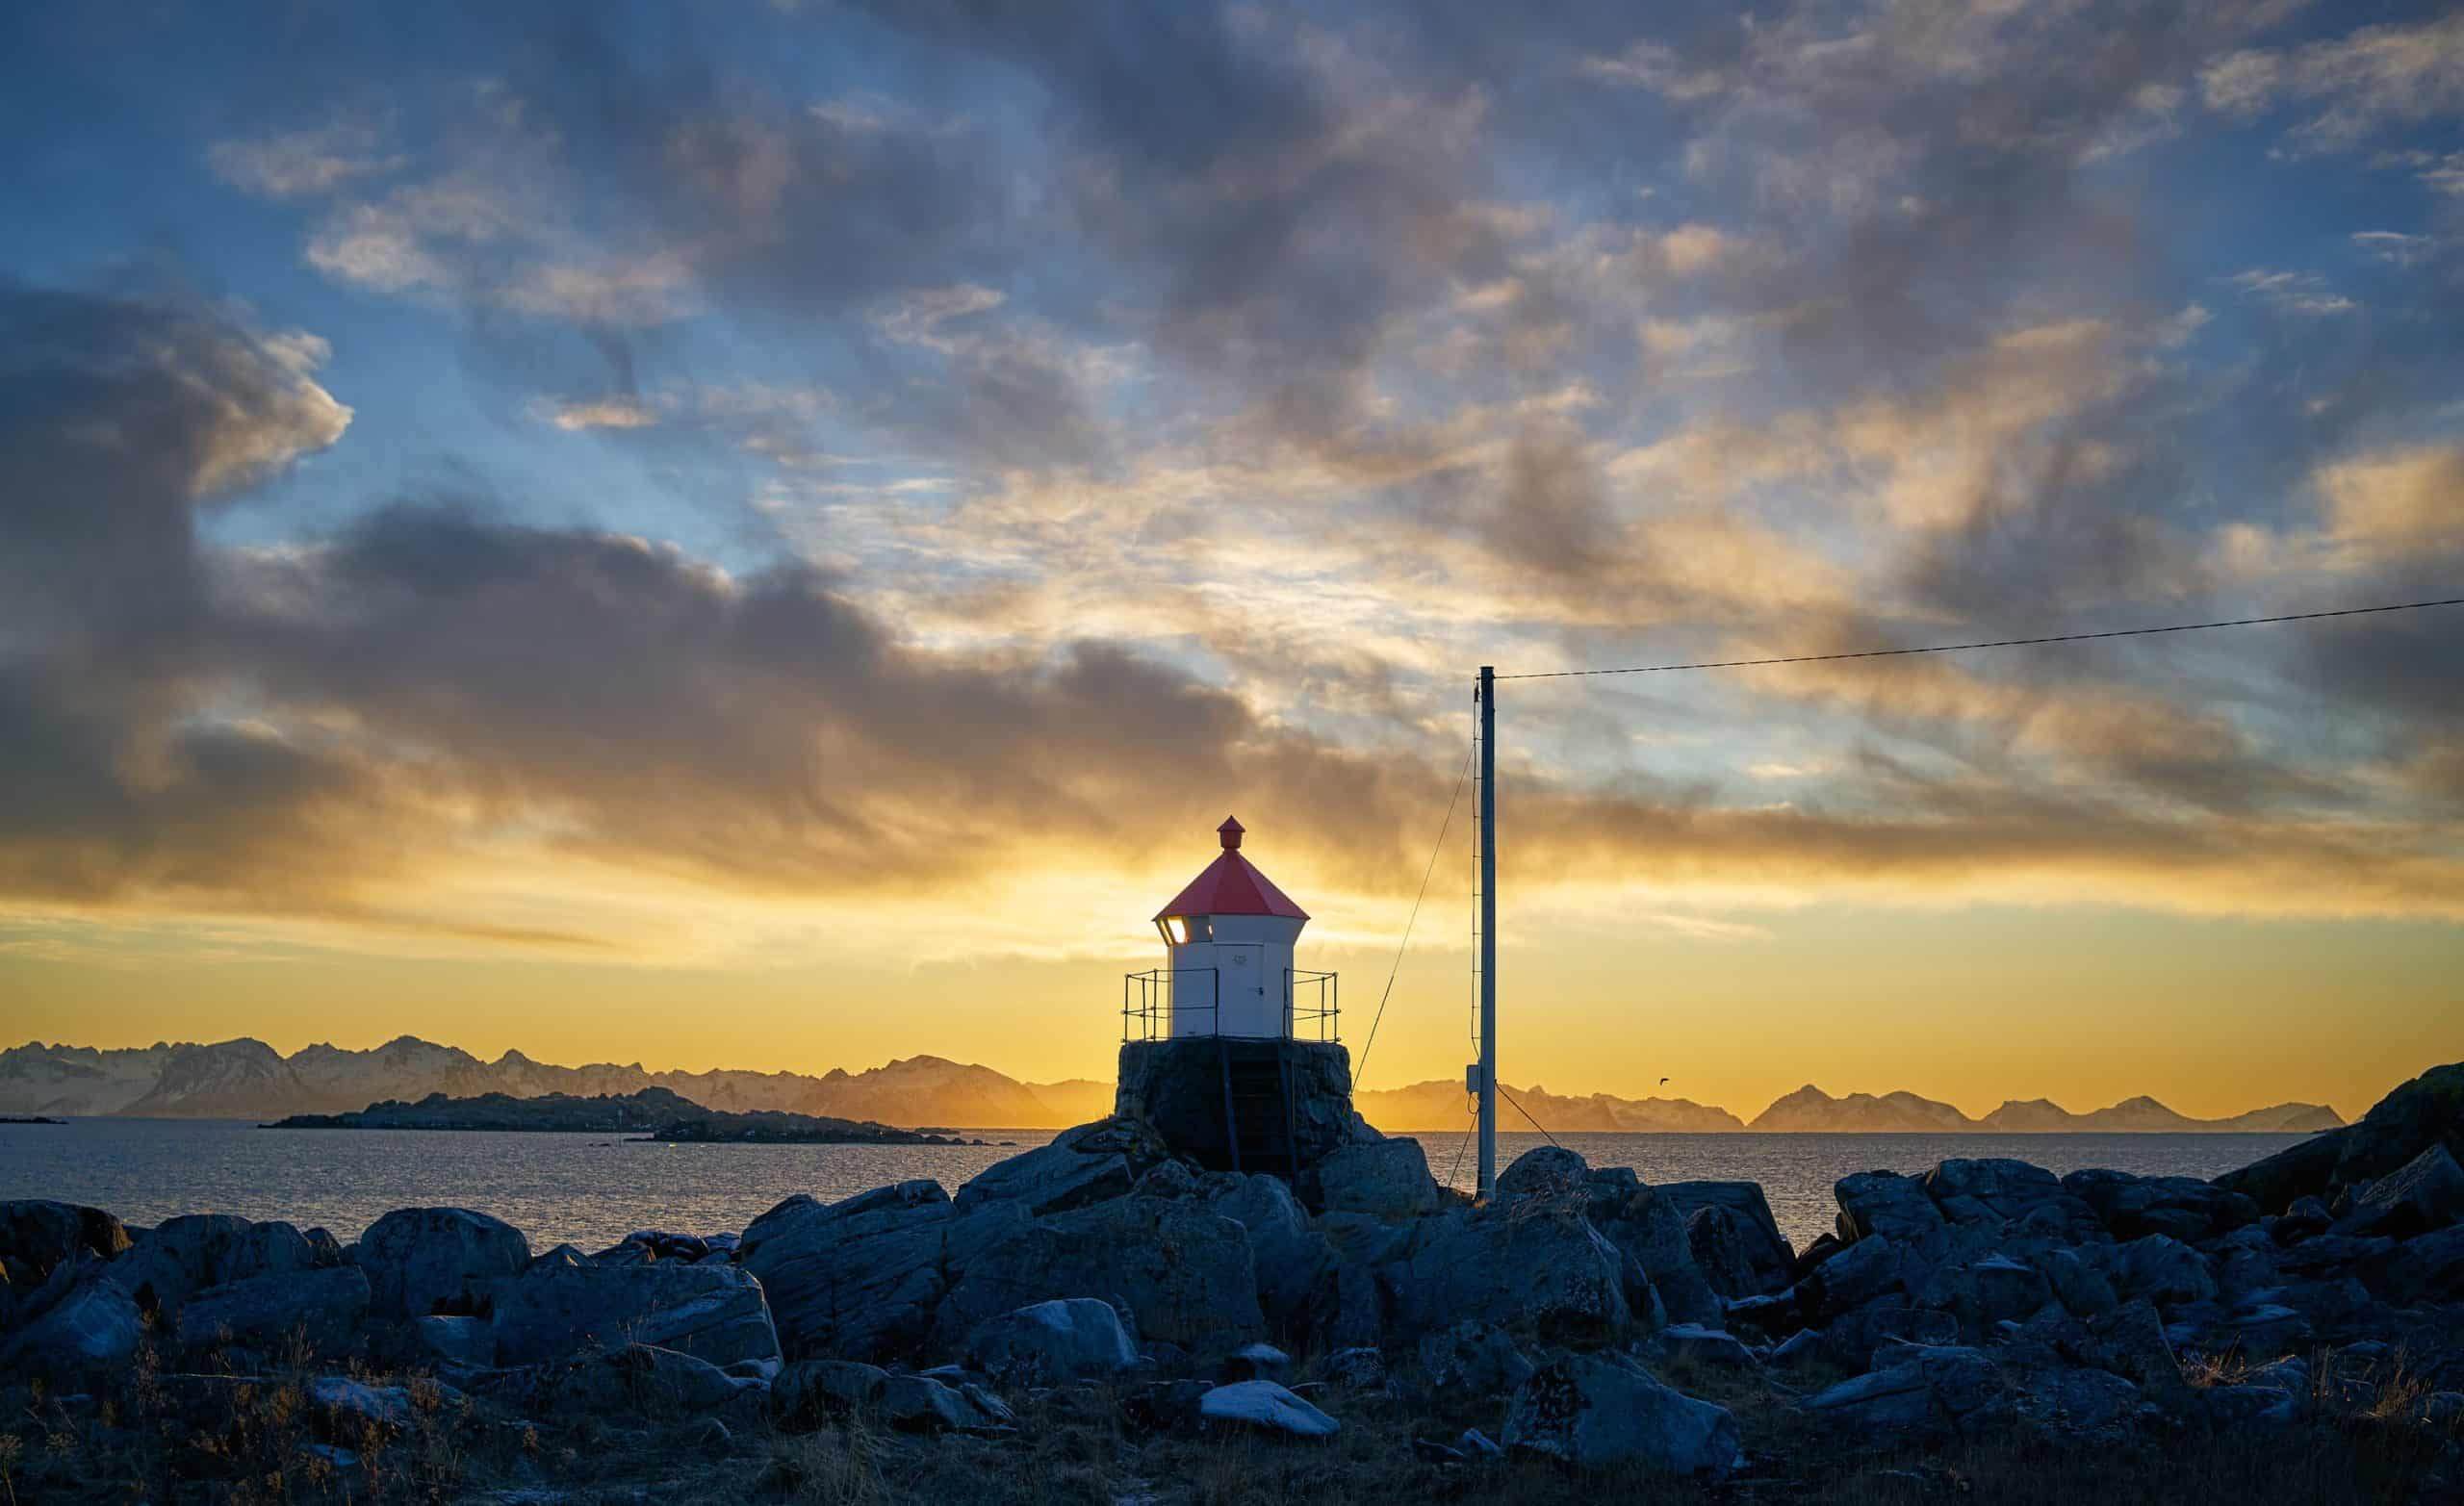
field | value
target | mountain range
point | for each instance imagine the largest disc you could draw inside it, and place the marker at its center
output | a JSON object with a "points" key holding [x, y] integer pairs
{"points": [[247, 1079]]}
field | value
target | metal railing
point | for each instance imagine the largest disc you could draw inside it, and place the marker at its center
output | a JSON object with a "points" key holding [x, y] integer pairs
{"points": [[1152, 1000], [1311, 1002]]}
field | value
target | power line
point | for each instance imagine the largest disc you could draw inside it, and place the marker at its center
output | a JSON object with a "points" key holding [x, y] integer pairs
{"points": [[1442, 829], [1518, 1103], [1997, 643]]}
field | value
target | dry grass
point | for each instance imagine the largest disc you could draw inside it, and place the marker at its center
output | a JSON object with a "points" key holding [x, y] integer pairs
{"points": [[142, 1439]]}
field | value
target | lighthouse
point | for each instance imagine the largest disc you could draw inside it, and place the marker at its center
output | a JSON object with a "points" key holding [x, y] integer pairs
{"points": [[1230, 1052], [1228, 935]]}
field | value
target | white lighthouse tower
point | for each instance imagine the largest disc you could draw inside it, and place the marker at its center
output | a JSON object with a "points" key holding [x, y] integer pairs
{"points": [[1230, 935]]}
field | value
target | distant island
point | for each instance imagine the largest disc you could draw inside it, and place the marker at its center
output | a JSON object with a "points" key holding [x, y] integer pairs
{"points": [[248, 1078], [29, 1118], [652, 1114]]}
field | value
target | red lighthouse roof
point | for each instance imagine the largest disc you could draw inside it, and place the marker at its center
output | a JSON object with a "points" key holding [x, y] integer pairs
{"points": [[1232, 885]]}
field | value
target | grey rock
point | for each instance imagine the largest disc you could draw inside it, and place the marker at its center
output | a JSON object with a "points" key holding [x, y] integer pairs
{"points": [[1187, 1275], [79, 1317], [1048, 1342], [1383, 1179], [1292, 1259], [2075, 1404], [2082, 1289], [1690, 1343], [1477, 1447], [2261, 1330], [1767, 1252], [182, 1256], [858, 1278], [921, 1404], [1605, 1411], [2429, 1268], [394, 1408], [644, 1378], [456, 1338], [716, 1313], [1857, 1275], [1265, 1407], [2130, 1341], [2164, 1270], [1717, 1239], [1260, 1362], [2133, 1207], [1088, 1164], [1472, 1359], [2306, 1217], [36, 1234], [1535, 1262], [1884, 1203], [1648, 1228], [2426, 1193], [809, 1390], [2257, 1407], [1916, 1392], [2007, 1288], [1544, 1170], [320, 1310], [1357, 1368], [421, 1260], [2009, 1191]]}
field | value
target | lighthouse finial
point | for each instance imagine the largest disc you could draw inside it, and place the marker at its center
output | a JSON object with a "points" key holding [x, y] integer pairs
{"points": [[1230, 831]]}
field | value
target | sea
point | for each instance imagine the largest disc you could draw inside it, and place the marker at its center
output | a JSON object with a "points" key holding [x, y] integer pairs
{"points": [[591, 1190]]}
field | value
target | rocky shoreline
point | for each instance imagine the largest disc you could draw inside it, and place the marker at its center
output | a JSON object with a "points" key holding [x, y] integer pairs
{"points": [[1104, 1313]]}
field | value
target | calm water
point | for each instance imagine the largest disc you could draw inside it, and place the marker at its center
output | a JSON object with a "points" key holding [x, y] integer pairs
{"points": [[593, 1189]]}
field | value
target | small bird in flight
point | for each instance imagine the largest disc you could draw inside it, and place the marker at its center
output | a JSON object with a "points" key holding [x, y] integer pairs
{"points": [[1663, 1082]]}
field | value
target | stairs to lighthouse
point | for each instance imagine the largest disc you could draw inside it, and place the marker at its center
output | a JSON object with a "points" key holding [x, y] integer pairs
{"points": [[1257, 1109]]}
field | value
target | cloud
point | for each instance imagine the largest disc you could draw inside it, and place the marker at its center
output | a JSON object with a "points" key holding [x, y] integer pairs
{"points": [[2292, 293], [2362, 82], [298, 164], [2393, 248]]}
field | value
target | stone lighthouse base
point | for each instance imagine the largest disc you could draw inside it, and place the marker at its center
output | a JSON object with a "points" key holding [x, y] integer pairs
{"points": [[1236, 1105]]}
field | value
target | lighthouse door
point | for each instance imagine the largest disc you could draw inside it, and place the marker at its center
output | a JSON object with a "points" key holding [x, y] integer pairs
{"points": [[1241, 1001]]}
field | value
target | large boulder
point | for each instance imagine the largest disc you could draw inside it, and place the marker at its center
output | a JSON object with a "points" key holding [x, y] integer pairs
{"points": [[421, 1260], [2132, 1207], [1885, 1203], [1605, 1411], [2425, 1111], [1536, 1262], [1071, 1339], [2004, 1192], [1718, 1239], [2130, 1343], [858, 1279], [78, 1318], [1292, 1259], [1263, 1406], [1916, 1392], [922, 1404], [1384, 1178], [36, 1234], [813, 1391], [646, 1379], [182, 1256], [1767, 1251], [1186, 1275], [320, 1310], [1079, 1167], [1473, 1360], [713, 1312], [2424, 1193], [2164, 1270], [1543, 1171], [1648, 1229]]}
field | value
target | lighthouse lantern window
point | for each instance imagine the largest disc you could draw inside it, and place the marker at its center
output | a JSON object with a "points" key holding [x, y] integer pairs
{"points": [[1180, 929]]}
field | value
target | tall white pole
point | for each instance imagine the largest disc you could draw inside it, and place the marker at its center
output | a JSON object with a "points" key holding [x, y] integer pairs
{"points": [[1488, 932]]}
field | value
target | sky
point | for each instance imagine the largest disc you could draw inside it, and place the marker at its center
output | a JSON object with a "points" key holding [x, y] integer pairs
{"points": [[769, 535]]}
